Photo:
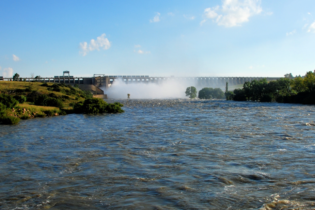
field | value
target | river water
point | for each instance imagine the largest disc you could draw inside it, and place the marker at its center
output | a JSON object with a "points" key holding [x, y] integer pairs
{"points": [[163, 154]]}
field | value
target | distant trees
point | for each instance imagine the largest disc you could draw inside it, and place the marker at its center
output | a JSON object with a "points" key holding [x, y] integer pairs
{"points": [[16, 77], [208, 93], [286, 90], [191, 92]]}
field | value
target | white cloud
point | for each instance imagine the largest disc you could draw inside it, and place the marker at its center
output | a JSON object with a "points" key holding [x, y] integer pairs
{"points": [[137, 46], [202, 22], [142, 52], [233, 12], [309, 13], [211, 13], [7, 72], [311, 28], [189, 17], [15, 58], [291, 33], [100, 43], [156, 18], [251, 67]]}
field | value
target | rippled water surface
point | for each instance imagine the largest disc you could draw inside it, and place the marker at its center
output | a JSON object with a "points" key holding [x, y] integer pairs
{"points": [[163, 154]]}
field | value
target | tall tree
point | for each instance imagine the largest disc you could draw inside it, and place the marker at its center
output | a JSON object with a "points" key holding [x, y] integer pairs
{"points": [[191, 92], [16, 77]]}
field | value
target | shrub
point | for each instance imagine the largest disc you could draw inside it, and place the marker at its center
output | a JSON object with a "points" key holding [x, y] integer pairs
{"points": [[20, 99], [53, 95], [114, 108], [44, 84], [97, 106], [94, 106], [8, 101], [65, 97], [9, 120], [31, 97], [208, 93], [62, 112], [87, 94], [266, 98], [44, 100], [2, 109], [25, 117], [50, 112], [40, 114], [229, 95], [239, 95], [56, 87]]}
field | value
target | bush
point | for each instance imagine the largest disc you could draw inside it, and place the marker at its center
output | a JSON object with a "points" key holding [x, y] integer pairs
{"points": [[266, 98], [31, 97], [40, 114], [62, 112], [9, 120], [87, 94], [50, 112], [97, 106], [44, 100], [44, 84], [20, 99], [2, 109], [239, 95], [114, 108], [53, 95], [94, 106], [208, 93], [8, 101], [229, 95]]}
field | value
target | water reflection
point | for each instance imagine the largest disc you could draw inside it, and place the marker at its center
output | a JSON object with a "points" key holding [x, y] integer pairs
{"points": [[163, 154]]}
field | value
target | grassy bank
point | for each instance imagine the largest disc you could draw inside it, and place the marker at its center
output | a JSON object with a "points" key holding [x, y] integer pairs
{"points": [[25, 100]]}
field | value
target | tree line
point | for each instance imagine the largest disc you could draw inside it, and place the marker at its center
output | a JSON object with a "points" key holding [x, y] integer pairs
{"points": [[205, 93], [284, 90]]}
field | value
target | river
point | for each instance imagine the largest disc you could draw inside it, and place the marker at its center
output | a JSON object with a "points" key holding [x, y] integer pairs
{"points": [[163, 154]]}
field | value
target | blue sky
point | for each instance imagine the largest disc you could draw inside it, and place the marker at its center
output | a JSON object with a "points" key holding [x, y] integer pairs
{"points": [[158, 38]]}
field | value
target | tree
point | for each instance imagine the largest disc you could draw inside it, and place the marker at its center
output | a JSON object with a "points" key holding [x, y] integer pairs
{"points": [[309, 81], [16, 77], [208, 93], [191, 92], [297, 84]]}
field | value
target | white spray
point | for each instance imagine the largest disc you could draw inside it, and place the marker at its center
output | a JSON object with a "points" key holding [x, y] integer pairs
{"points": [[164, 90]]}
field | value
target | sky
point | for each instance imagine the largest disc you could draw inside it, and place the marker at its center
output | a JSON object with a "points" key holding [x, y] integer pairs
{"points": [[242, 38]]}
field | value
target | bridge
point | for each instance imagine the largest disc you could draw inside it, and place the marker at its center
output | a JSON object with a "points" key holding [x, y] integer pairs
{"points": [[102, 80]]}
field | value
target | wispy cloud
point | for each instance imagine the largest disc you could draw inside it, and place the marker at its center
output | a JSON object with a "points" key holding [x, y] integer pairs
{"points": [[7, 72], [140, 51], [156, 18], [233, 12], [100, 43], [189, 17], [171, 14], [311, 28], [15, 58], [291, 33]]}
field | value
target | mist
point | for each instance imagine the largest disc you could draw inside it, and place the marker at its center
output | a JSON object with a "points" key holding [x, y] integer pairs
{"points": [[165, 90]]}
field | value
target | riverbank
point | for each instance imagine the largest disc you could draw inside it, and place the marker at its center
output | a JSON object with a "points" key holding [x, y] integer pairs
{"points": [[300, 90], [25, 100]]}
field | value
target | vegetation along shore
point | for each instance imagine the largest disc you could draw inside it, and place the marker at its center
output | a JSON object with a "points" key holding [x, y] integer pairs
{"points": [[25, 100], [285, 90]]}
